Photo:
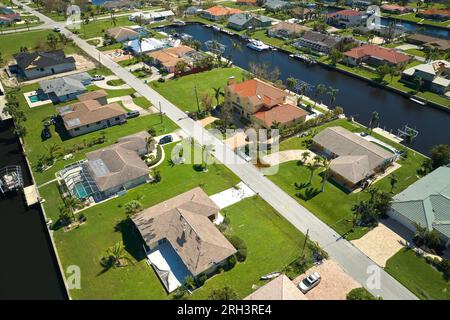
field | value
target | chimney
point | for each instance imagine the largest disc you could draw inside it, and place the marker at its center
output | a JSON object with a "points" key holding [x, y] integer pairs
{"points": [[231, 80]]}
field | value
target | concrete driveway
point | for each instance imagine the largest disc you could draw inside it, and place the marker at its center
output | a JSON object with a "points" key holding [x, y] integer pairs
{"points": [[383, 241], [276, 158], [335, 283]]}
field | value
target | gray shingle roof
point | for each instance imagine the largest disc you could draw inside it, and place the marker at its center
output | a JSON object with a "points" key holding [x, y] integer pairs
{"points": [[41, 59], [427, 201], [65, 85]]}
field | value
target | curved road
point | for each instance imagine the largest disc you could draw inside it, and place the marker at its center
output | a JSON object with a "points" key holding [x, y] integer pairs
{"points": [[352, 260]]}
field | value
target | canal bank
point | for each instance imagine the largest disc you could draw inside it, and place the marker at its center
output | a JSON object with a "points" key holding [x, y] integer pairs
{"points": [[358, 98], [30, 268]]}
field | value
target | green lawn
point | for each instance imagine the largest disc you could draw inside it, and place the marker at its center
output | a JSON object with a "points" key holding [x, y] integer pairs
{"points": [[113, 93], [97, 28], [35, 147], [105, 226], [142, 102], [181, 91], [11, 43], [334, 205], [418, 276]]}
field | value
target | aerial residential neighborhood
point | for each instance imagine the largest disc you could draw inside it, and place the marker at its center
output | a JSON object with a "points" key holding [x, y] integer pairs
{"points": [[225, 150]]}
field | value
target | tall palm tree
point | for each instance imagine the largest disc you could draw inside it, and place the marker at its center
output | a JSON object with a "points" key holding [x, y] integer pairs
{"points": [[313, 166], [206, 153], [115, 256], [72, 204], [320, 89], [325, 164], [305, 156], [374, 120], [217, 92], [332, 94]]}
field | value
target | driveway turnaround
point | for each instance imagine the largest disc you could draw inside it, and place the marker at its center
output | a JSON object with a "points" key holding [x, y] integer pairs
{"points": [[233, 195], [350, 259]]}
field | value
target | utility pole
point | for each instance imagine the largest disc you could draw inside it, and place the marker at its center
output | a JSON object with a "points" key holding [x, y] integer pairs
{"points": [[304, 243], [196, 97], [160, 113]]}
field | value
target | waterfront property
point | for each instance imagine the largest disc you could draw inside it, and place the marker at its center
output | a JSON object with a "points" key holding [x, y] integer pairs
{"points": [[275, 5], [242, 21], [434, 74], [434, 14], [317, 41], [109, 171], [393, 8], [287, 30], [375, 55], [429, 42], [183, 224], [346, 18], [354, 160], [262, 103], [119, 4], [426, 203], [168, 59], [38, 64], [217, 13], [142, 46], [8, 15], [64, 88], [91, 113], [122, 34], [149, 17]]}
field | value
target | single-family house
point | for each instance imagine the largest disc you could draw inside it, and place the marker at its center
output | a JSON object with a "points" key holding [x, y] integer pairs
{"points": [[38, 64], [429, 41], [89, 115], [119, 167], [181, 239], [65, 88], [142, 46], [242, 21], [8, 16], [375, 55], [435, 75], [353, 158], [434, 14], [169, 58], [262, 103], [302, 12], [247, 2], [151, 16], [393, 8], [317, 41], [287, 30], [426, 203], [275, 5], [122, 34], [217, 13], [192, 11], [280, 288], [119, 4], [360, 3], [346, 18]]}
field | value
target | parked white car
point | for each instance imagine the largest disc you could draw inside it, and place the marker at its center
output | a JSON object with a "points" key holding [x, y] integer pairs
{"points": [[309, 282]]}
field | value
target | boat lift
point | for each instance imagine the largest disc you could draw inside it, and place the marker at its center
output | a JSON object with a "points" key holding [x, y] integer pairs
{"points": [[407, 133], [10, 179]]}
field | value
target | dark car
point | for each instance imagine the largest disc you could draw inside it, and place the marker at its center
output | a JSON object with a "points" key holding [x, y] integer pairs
{"points": [[165, 139], [133, 114], [46, 134]]}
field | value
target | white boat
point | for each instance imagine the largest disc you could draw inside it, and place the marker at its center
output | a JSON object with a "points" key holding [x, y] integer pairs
{"points": [[270, 275], [216, 28], [417, 101], [303, 58], [257, 45]]}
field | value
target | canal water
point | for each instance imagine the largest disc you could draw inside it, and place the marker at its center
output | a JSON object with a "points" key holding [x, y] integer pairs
{"points": [[28, 268], [357, 97]]}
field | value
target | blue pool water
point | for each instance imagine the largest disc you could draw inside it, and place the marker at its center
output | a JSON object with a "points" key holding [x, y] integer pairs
{"points": [[34, 98], [80, 190]]}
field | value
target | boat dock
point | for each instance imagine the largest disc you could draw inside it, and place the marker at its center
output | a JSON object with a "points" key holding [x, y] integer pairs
{"points": [[31, 195], [388, 135]]}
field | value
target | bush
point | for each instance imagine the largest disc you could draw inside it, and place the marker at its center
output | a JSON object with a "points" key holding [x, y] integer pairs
{"points": [[202, 279], [232, 261], [158, 157], [240, 246], [360, 294]]}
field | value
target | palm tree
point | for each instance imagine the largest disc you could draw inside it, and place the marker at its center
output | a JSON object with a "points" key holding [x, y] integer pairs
{"points": [[115, 256], [291, 83], [71, 204], [374, 120], [312, 167], [332, 93], [53, 149], [393, 181], [302, 90], [320, 89], [305, 156], [206, 152], [325, 163], [217, 92]]}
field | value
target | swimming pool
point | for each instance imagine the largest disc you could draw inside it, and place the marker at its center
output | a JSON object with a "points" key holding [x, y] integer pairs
{"points": [[80, 190], [34, 98]]}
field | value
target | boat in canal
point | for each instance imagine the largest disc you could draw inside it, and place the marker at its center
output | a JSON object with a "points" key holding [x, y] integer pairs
{"points": [[303, 58], [257, 45]]}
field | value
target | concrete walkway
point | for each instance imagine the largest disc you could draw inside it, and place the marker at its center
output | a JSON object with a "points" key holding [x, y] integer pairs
{"points": [[128, 103], [233, 195], [350, 259]]}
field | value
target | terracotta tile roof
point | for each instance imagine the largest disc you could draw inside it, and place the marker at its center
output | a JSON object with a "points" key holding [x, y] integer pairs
{"points": [[436, 12], [92, 95], [171, 56], [348, 12], [247, 1], [393, 7], [222, 11], [283, 114], [289, 27], [280, 288], [375, 51], [184, 222], [121, 31], [258, 92]]}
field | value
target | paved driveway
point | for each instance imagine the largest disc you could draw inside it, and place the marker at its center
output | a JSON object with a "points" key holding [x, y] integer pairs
{"points": [[335, 283]]}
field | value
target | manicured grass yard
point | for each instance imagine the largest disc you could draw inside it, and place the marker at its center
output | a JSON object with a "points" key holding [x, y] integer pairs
{"points": [[35, 147], [105, 227], [334, 205], [181, 91], [98, 28], [142, 102], [418, 276]]}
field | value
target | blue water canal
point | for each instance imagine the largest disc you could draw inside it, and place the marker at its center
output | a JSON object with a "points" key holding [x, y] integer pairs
{"points": [[358, 98]]}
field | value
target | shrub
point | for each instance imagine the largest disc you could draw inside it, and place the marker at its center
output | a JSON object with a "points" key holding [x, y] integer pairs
{"points": [[240, 246], [360, 294], [232, 261], [133, 207], [202, 279]]}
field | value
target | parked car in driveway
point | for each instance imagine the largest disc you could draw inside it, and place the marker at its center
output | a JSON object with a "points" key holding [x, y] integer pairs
{"points": [[309, 282], [133, 114], [57, 29], [97, 77], [165, 139]]}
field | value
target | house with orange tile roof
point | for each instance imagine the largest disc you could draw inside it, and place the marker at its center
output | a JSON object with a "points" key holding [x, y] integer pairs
{"points": [[170, 57], [375, 55], [262, 103], [218, 12], [435, 14], [395, 8], [346, 18]]}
